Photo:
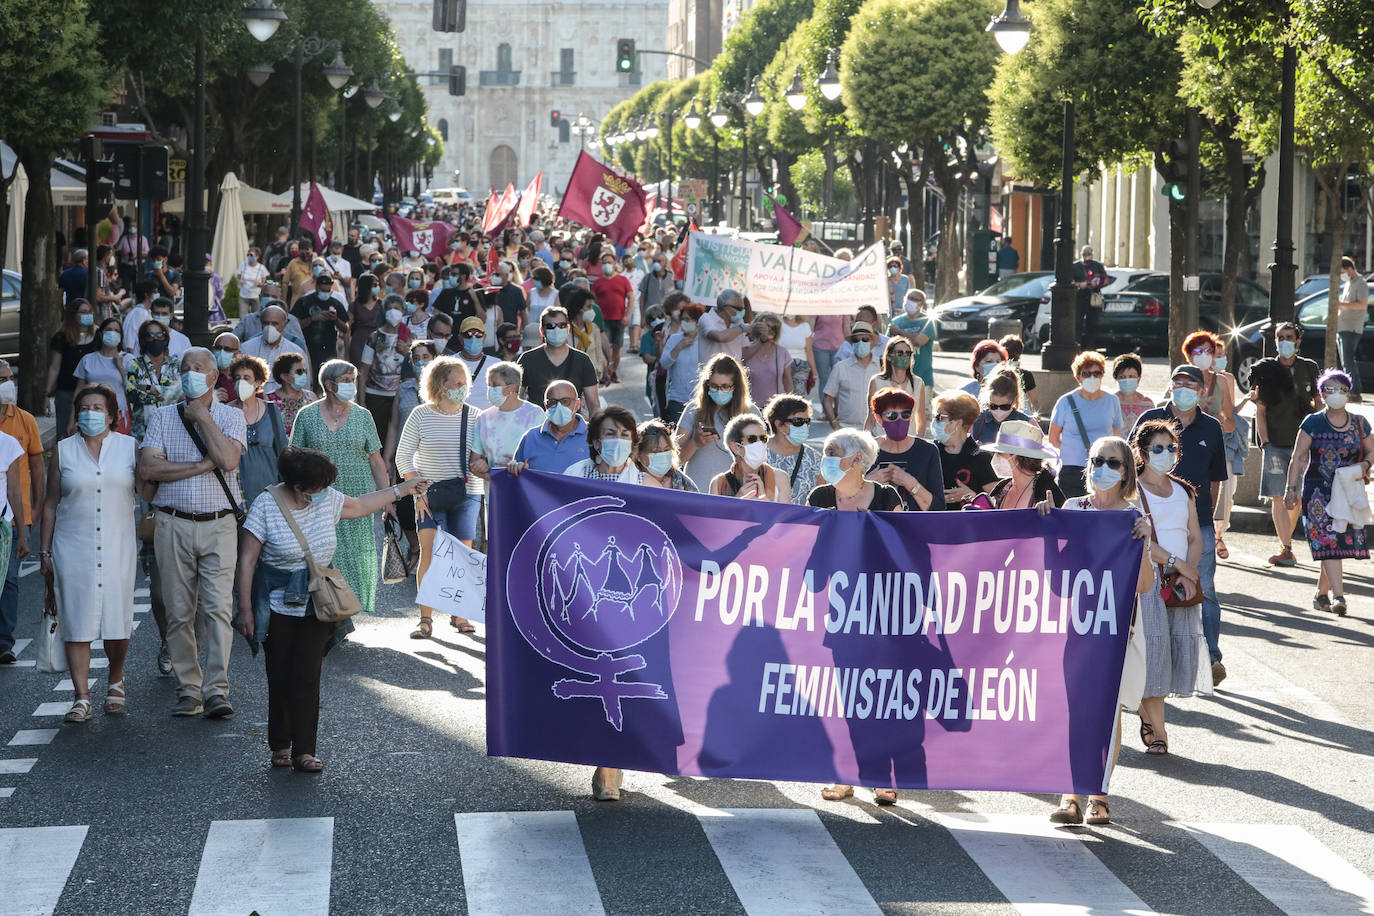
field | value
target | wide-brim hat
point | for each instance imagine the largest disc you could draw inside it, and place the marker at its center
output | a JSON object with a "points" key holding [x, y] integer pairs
{"points": [[1018, 437]]}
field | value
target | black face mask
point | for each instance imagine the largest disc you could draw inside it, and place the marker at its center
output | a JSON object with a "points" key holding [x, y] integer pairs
{"points": [[156, 347]]}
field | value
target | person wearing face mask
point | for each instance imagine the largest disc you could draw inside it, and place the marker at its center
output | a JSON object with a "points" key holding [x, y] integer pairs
{"points": [[323, 316], [344, 430], [267, 435], [379, 372], [1015, 347], [919, 330], [541, 296], [298, 271], [250, 324], [988, 357], [192, 451], [339, 266], [556, 359], [612, 440], [722, 328], [510, 304], [1112, 483], [1002, 395], [104, 365], [1019, 454], [681, 358], [561, 440], [967, 471], [252, 275], [789, 423], [906, 462], [563, 267], [468, 301], [587, 335], [847, 457], [845, 401], [896, 373], [274, 605], [76, 338], [293, 388], [1126, 371], [749, 475], [436, 444], [1331, 462], [1087, 413], [898, 283], [1218, 399], [163, 312], [615, 296], [159, 271], [92, 487], [474, 358], [422, 353], [636, 273], [656, 282], [721, 394], [273, 342], [151, 380], [500, 428], [1202, 463], [417, 314], [657, 458], [769, 365], [869, 314], [19, 425]]}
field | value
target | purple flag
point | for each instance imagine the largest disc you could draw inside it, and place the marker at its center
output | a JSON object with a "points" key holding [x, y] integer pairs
{"points": [[790, 228], [699, 635], [316, 219]]}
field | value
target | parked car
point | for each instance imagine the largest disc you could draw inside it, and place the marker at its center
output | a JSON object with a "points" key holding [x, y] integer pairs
{"points": [[9, 314], [1135, 316], [1119, 278], [1312, 283], [961, 323], [1248, 341]]}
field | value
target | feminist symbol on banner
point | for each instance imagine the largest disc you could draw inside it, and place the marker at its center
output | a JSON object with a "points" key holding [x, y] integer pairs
{"points": [[597, 594]]}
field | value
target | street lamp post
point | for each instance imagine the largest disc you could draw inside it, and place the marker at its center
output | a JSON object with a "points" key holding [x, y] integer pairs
{"points": [[719, 118], [753, 107], [196, 314], [829, 85]]}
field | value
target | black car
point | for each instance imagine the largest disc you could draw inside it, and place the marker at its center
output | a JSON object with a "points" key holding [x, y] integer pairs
{"points": [[961, 323], [1248, 341]]}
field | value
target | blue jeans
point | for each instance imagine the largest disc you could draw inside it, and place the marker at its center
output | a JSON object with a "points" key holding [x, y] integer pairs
{"points": [[1211, 608], [9, 601], [460, 522], [1346, 341], [825, 359]]}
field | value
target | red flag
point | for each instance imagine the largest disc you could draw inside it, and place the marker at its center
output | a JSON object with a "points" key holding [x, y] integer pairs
{"points": [[316, 219], [497, 215], [789, 227], [679, 260], [430, 239], [529, 199], [600, 199]]}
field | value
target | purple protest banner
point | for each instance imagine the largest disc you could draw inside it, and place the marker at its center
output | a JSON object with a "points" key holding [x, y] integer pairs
{"points": [[685, 634]]}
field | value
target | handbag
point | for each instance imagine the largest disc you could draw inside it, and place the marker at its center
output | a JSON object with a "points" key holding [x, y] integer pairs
{"points": [[394, 567], [330, 592], [147, 526], [52, 653], [1133, 667], [1170, 584], [448, 494]]}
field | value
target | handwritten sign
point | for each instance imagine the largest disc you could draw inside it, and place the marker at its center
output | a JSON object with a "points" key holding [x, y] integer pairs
{"points": [[456, 581]]}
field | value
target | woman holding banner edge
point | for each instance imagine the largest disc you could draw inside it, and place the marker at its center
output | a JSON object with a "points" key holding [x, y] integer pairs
{"points": [[1112, 482]]}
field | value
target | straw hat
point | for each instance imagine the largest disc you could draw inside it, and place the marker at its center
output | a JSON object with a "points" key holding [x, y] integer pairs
{"points": [[1018, 437]]}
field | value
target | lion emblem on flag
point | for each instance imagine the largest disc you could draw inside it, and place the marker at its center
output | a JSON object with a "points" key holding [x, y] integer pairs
{"points": [[423, 240], [609, 199]]}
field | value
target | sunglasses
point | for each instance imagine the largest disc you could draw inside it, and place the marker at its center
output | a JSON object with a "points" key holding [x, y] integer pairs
{"points": [[942, 418], [1115, 464], [797, 421], [999, 407], [1093, 374], [1161, 449], [550, 327], [893, 415], [754, 437], [864, 339], [1340, 390], [566, 402], [471, 334]]}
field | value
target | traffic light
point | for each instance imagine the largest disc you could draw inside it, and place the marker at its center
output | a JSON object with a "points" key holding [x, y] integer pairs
{"points": [[457, 80], [625, 55], [1178, 164], [450, 15], [554, 118]]}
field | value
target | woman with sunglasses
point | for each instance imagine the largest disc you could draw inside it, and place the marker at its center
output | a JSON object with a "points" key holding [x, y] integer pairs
{"points": [[1003, 398], [1177, 662], [1018, 457], [722, 393], [896, 373], [1087, 414], [749, 476], [1112, 482], [905, 462], [1330, 441]]}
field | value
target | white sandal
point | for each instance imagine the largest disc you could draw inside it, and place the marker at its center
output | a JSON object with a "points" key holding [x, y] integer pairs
{"points": [[114, 701], [80, 711]]}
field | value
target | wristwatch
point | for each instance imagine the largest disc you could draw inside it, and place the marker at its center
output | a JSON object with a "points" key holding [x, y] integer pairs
{"points": [[396, 490], [1171, 561]]}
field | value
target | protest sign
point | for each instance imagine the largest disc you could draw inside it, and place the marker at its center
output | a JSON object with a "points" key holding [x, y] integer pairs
{"points": [[690, 634], [785, 280], [456, 581]]}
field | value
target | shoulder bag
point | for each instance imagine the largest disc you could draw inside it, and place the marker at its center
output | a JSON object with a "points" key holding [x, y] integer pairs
{"points": [[1170, 583], [239, 513], [448, 494], [1082, 430], [330, 592]]}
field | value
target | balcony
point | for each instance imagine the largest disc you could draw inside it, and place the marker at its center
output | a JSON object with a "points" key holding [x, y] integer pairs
{"points": [[498, 78], [562, 78]]}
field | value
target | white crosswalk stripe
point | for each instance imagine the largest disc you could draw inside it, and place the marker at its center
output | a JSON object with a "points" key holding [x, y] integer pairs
{"points": [[33, 736], [34, 865], [539, 852], [270, 867]]}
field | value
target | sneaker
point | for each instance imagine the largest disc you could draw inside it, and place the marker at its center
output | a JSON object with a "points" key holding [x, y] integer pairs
{"points": [[7, 657], [1284, 558], [217, 707], [1218, 673], [1321, 603], [186, 706], [164, 660], [1338, 606]]}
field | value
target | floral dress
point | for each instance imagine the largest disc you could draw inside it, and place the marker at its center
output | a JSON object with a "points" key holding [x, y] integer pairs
{"points": [[1331, 449], [349, 449], [289, 407], [146, 385]]}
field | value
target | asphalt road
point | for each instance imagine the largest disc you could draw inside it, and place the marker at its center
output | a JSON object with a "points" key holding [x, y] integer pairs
{"points": [[1265, 804]]}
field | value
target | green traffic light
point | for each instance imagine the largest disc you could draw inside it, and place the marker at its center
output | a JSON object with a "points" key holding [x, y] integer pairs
{"points": [[1176, 192]]}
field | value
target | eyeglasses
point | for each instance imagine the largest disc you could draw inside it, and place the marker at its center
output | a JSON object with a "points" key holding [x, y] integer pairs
{"points": [[943, 418], [1187, 383], [892, 416], [1115, 464], [1096, 373], [566, 402], [729, 389], [1335, 390], [861, 338], [751, 438], [797, 421], [1161, 449], [550, 327], [999, 407], [471, 334]]}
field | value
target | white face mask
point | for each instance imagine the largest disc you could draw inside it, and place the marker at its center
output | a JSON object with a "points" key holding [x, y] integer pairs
{"points": [[1091, 384], [270, 334], [1001, 465], [9, 392], [1202, 360], [589, 315], [245, 389], [755, 453], [394, 316]]}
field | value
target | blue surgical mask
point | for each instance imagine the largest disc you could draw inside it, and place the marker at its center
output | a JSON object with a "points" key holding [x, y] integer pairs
{"points": [[831, 469], [450, 283], [615, 451], [414, 284], [92, 422], [1162, 462], [560, 415], [1287, 348], [722, 397], [1220, 364], [496, 394], [111, 338], [85, 319], [1105, 478], [194, 384], [316, 270], [1184, 398], [798, 435], [862, 348], [1127, 385], [347, 391], [938, 432], [660, 463], [472, 345], [556, 337], [411, 308], [301, 380], [164, 320], [223, 358]]}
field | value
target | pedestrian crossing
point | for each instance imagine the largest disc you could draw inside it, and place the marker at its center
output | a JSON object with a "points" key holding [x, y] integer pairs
{"points": [[778, 862]]}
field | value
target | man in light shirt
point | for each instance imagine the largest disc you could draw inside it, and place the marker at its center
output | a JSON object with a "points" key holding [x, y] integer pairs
{"points": [[272, 342]]}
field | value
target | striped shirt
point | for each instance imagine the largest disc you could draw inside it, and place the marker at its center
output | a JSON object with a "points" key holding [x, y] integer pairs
{"points": [[432, 444]]}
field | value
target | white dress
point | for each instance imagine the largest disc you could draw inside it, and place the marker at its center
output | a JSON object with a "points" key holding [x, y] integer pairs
{"points": [[94, 548], [1176, 660]]}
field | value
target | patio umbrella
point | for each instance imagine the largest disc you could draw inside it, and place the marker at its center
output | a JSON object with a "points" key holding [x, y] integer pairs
{"points": [[14, 237], [231, 238]]}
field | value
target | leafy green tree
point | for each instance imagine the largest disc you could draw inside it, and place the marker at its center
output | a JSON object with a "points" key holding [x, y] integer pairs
{"points": [[917, 72], [808, 177], [55, 82]]}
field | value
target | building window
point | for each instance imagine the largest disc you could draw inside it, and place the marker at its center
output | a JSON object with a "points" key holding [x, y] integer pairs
{"points": [[503, 166], [445, 59], [564, 130], [443, 129], [504, 74], [503, 58], [565, 75]]}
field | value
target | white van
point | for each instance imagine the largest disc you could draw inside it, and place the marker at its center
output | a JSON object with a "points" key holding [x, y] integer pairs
{"points": [[451, 197]]}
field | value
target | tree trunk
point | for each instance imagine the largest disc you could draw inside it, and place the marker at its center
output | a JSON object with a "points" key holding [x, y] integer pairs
{"points": [[1179, 327], [1336, 225], [785, 162], [947, 253], [37, 314], [1237, 239], [916, 219]]}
